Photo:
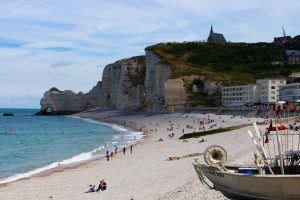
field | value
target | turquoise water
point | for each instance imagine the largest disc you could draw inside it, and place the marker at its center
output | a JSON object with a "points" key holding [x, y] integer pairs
{"points": [[44, 142]]}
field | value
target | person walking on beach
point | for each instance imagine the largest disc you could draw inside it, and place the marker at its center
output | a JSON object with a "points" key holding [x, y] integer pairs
{"points": [[131, 149], [116, 149], [107, 155], [124, 150]]}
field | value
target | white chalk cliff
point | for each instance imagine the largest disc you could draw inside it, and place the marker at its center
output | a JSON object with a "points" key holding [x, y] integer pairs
{"points": [[137, 83]]}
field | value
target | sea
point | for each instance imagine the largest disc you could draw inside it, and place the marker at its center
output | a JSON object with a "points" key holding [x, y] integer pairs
{"points": [[30, 144]]}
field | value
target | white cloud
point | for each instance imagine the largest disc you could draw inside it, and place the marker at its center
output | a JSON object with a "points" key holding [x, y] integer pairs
{"points": [[79, 35]]}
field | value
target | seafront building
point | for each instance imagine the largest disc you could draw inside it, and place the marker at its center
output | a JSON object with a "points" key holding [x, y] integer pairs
{"points": [[269, 89], [265, 91], [240, 95], [290, 92]]}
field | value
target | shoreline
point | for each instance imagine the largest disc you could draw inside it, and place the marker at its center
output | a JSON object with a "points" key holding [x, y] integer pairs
{"points": [[135, 175], [62, 167]]}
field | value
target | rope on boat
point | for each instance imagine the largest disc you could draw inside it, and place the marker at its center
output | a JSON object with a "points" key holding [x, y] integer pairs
{"points": [[201, 176]]}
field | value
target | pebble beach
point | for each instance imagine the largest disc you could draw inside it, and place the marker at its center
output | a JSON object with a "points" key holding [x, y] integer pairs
{"points": [[147, 173]]}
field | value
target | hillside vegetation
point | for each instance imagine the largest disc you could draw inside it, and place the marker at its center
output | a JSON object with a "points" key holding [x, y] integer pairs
{"points": [[232, 63]]}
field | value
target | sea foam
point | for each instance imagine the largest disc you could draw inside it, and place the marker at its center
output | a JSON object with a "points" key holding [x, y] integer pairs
{"points": [[127, 139], [80, 158]]}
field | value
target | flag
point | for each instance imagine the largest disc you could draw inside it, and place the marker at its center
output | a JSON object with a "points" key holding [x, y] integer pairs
{"points": [[267, 138], [271, 125], [278, 110], [284, 106], [287, 103], [274, 107], [293, 109]]}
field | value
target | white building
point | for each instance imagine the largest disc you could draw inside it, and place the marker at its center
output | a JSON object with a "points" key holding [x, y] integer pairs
{"points": [[270, 89], [289, 92], [240, 95]]}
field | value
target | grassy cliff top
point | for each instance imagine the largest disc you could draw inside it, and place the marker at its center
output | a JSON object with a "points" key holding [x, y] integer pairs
{"points": [[232, 63]]}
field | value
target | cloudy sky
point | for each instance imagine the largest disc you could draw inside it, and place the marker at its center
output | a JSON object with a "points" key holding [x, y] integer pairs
{"points": [[67, 43]]}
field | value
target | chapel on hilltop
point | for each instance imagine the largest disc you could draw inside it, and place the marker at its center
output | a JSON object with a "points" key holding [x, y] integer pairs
{"points": [[284, 41], [215, 37]]}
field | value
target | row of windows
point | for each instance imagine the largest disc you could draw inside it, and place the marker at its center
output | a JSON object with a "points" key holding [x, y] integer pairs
{"points": [[290, 87], [233, 89], [237, 99], [290, 93], [238, 94], [272, 82]]}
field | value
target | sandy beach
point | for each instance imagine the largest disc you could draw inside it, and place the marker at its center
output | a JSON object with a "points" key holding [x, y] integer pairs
{"points": [[146, 173]]}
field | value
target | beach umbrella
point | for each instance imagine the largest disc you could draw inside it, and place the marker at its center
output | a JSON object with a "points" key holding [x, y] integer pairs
{"points": [[280, 102]]}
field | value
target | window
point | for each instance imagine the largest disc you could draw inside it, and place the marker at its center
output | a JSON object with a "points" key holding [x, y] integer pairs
{"points": [[273, 87], [273, 82]]}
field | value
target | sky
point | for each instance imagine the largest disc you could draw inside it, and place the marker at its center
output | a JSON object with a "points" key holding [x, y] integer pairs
{"points": [[67, 43]]}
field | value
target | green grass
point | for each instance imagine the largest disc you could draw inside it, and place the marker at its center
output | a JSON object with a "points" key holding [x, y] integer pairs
{"points": [[231, 63], [200, 134]]}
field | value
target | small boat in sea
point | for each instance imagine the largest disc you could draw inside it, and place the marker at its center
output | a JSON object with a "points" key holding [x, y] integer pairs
{"points": [[8, 132], [8, 114], [275, 174]]}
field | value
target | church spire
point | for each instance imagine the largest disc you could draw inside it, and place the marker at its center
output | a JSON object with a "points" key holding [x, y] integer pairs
{"points": [[283, 31], [211, 29]]}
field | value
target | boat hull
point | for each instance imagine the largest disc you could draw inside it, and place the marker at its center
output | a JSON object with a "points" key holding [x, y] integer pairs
{"points": [[243, 186]]}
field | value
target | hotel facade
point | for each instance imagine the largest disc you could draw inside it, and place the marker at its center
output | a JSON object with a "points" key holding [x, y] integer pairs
{"points": [[270, 89], [240, 95], [290, 92], [265, 91]]}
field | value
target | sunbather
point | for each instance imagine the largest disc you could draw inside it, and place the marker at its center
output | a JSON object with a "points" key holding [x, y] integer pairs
{"points": [[102, 186], [92, 189]]}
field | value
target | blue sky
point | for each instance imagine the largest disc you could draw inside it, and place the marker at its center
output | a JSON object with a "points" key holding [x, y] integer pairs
{"points": [[67, 43]]}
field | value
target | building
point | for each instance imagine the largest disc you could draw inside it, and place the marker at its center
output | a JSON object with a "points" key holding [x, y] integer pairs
{"points": [[292, 57], [284, 41], [240, 95], [289, 92], [269, 89], [215, 37]]}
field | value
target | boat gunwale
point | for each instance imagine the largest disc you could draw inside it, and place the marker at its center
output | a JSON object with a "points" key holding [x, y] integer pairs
{"points": [[254, 176]]}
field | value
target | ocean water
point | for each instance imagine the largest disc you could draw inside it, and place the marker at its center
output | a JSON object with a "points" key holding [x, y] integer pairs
{"points": [[41, 143]]}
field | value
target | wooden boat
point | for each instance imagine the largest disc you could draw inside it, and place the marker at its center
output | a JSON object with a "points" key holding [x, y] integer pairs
{"points": [[246, 183], [273, 177]]}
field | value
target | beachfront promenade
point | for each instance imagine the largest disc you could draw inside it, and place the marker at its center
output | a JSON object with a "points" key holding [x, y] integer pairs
{"points": [[146, 173]]}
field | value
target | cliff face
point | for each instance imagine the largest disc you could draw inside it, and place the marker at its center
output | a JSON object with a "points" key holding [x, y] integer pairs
{"points": [[137, 83], [156, 77], [164, 92], [123, 84], [121, 88], [67, 102]]}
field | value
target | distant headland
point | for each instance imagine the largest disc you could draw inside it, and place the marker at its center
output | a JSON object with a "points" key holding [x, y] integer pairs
{"points": [[181, 75]]}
